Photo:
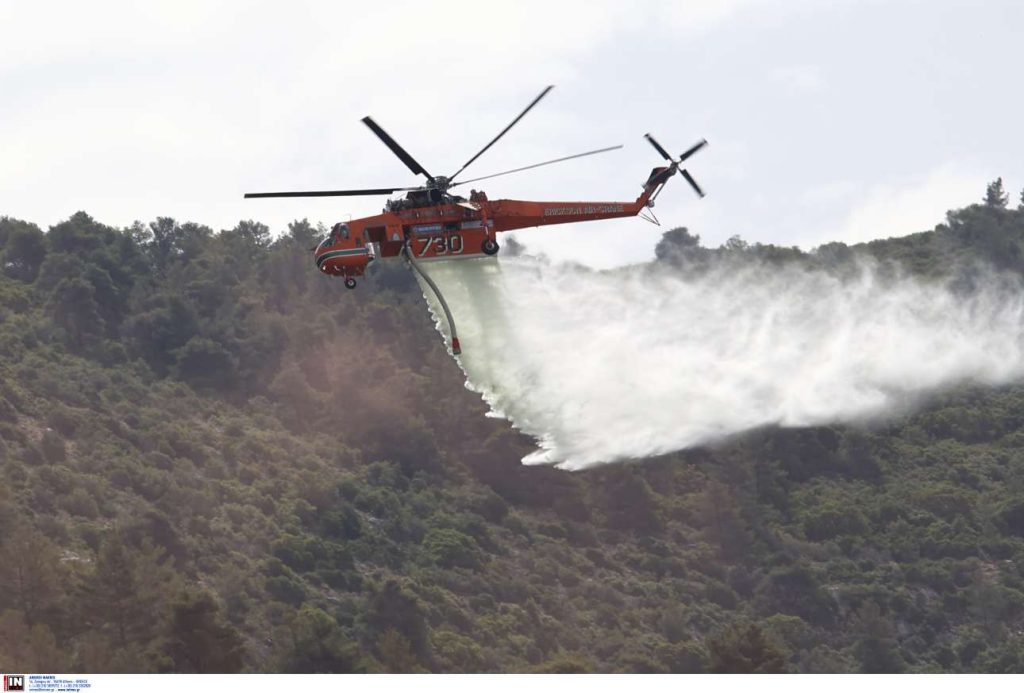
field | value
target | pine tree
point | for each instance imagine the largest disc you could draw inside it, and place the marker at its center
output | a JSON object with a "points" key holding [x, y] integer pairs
{"points": [[29, 572], [392, 608], [28, 648], [126, 595], [200, 642], [111, 597], [876, 647], [995, 195]]}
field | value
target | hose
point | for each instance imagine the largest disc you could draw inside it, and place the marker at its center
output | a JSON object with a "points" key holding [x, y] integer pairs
{"points": [[456, 349]]}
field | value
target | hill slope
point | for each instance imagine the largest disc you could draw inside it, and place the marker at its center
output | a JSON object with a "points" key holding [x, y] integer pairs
{"points": [[214, 459]]}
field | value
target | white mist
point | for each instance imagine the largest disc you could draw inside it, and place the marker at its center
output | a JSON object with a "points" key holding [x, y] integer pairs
{"points": [[601, 366]]}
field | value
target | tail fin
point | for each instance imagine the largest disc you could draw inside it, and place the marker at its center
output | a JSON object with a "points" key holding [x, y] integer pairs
{"points": [[659, 176]]}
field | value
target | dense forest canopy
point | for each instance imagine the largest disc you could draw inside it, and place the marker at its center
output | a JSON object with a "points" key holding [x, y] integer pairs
{"points": [[214, 459]]}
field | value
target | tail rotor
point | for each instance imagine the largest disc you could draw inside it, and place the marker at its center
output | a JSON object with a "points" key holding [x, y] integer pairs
{"points": [[675, 163]]}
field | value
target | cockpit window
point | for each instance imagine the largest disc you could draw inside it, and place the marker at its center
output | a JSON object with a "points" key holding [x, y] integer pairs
{"points": [[340, 231], [324, 243]]}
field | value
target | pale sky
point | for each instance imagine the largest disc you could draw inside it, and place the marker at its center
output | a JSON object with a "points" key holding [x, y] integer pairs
{"points": [[827, 121]]}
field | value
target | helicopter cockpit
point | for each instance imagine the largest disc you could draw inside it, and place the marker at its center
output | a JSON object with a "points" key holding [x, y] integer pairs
{"points": [[339, 232]]}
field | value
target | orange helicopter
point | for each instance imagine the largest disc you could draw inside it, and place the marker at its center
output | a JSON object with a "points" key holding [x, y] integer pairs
{"points": [[431, 223]]}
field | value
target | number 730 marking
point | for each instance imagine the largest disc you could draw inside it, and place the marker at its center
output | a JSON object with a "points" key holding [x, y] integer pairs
{"points": [[443, 245]]}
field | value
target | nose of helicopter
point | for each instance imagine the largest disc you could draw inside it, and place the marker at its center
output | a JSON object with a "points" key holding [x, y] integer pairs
{"points": [[342, 261]]}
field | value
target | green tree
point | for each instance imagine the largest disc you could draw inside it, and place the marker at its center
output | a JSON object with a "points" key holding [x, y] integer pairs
{"points": [[9, 225], [989, 604], [1009, 517], [74, 309], [24, 251], [166, 323], [450, 548], [199, 641], [676, 242], [112, 594], [164, 232], [736, 244], [301, 401], [796, 589], [303, 233], [457, 652], [204, 363], [395, 653], [408, 441], [631, 504], [393, 609], [125, 596], [876, 648], [745, 649], [252, 232], [834, 519], [25, 647], [318, 646], [995, 195], [30, 572], [79, 235], [718, 506]]}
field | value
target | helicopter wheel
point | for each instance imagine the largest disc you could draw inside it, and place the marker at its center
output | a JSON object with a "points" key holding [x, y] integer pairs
{"points": [[350, 283], [489, 246]]}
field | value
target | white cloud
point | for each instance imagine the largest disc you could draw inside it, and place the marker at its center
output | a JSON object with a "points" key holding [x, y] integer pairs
{"points": [[835, 192], [798, 77], [898, 210]]}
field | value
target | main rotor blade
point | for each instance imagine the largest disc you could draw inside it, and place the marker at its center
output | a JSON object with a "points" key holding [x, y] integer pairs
{"points": [[691, 181], [543, 163], [692, 150], [654, 143], [502, 133], [395, 147], [329, 193]]}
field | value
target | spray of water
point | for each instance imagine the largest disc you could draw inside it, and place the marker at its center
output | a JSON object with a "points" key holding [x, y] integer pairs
{"points": [[601, 366]]}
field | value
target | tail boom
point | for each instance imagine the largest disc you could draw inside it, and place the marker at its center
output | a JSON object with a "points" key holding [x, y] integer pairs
{"points": [[509, 215]]}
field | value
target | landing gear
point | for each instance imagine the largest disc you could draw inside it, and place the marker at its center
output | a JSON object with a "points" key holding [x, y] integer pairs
{"points": [[350, 283], [489, 246]]}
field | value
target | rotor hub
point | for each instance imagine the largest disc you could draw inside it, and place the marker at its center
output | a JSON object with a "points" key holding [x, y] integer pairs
{"points": [[441, 183]]}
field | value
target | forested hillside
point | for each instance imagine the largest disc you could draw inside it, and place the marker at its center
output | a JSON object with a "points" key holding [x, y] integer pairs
{"points": [[215, 459]]}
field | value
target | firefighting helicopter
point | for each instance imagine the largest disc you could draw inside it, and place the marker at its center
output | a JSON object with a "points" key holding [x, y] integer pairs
{"points": [[429, 222]]}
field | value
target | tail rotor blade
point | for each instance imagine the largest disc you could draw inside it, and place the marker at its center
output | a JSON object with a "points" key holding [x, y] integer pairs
{"points": [[691, 181], [661, 150], [413, 165], [692, 150]]}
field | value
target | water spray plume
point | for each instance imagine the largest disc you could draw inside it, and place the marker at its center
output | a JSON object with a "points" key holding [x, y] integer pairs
{"points": [[601, 366]]}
